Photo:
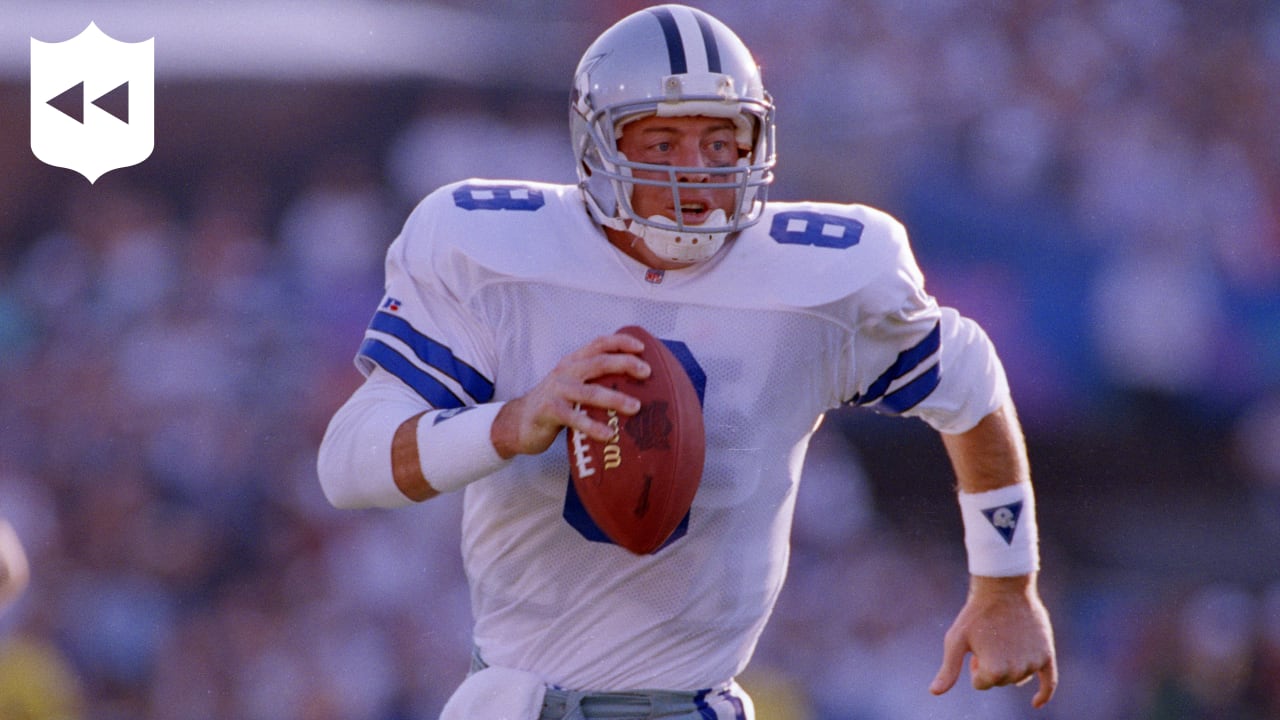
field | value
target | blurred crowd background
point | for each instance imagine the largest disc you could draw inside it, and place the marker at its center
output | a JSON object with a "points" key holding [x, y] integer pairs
{"points": [[1096, 181]]}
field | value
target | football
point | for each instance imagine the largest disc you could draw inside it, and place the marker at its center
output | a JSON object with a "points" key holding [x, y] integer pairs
{"points": [[639, 485]]}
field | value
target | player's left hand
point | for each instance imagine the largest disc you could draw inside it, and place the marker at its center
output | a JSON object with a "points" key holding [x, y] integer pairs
{"points": [[1006, 627]]}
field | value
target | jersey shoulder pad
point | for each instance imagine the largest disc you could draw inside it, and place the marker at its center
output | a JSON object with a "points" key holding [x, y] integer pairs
{"points": [[828, 225], [487, 219], [817, 253]]}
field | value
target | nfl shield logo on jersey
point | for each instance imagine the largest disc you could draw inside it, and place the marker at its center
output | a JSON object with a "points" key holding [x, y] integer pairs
{"points": [[92, 102]]}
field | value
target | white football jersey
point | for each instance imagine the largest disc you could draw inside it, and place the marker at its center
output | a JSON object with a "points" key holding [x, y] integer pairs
{"points": [[818, 305]]}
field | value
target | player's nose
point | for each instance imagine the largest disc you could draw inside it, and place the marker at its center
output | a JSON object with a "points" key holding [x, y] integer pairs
{"points": [[693, 163]]}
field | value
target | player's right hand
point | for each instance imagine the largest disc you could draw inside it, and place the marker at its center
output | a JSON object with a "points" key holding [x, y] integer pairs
{"points": [[529, 424]]}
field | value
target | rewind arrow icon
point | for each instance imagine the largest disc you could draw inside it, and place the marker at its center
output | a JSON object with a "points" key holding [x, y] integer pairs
{"points": [[114, 102], [70, 102]]}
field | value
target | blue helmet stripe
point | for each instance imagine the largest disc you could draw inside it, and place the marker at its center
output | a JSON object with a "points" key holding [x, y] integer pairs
{"points": [[675, 46], [709, 41]]}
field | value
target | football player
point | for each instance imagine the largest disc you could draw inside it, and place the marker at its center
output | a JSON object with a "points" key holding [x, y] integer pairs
{"points": [[500, 300]]}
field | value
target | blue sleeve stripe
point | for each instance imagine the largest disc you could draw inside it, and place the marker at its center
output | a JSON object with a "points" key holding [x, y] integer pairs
{"points": [[434, 354], [431, 389], [910, 395], [907, 361]]}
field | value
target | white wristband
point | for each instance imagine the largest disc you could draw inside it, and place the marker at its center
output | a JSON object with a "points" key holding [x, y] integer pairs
{"points": [[454, 448], [1000, 532]]}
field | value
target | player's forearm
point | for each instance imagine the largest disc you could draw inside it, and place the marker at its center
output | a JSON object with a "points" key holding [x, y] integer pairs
{"points": [[997, 502], [990, 455], [383, 449], [406, 462], [355, 461]]}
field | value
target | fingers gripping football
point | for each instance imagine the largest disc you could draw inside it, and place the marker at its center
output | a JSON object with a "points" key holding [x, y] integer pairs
{"points": [[529, 424], [638, 483]]}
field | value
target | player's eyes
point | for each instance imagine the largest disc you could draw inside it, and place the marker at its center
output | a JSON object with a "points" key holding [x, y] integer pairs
{"points": [[714, 150]]}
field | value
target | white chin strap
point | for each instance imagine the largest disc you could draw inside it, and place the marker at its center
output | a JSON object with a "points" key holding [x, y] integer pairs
{"points": [[680, 246]]}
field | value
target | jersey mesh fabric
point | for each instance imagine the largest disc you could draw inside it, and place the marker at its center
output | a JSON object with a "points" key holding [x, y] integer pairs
{"points": [[690, 614]]}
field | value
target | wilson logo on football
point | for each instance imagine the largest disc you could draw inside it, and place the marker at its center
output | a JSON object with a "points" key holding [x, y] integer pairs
{"points": [[612, 451]]}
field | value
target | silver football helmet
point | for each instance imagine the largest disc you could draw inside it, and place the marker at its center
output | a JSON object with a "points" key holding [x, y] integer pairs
{"points": [[670, 60]]}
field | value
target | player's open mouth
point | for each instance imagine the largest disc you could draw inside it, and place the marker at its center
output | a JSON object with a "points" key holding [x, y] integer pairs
{"points": [[694, 213]]}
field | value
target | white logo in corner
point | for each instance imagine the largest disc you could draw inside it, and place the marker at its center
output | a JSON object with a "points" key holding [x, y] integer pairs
{"points": [[92, 102]]}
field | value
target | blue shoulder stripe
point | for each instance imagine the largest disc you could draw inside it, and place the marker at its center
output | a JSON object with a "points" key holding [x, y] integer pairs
{"points": [[910, 395], [431, 389], [434, 354], [907, 361]]}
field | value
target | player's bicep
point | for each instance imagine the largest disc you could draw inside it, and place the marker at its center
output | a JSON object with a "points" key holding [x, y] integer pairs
{"points": [[894, 354], [415, 353], [900, 369], [424, 336], [973, 382]]}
